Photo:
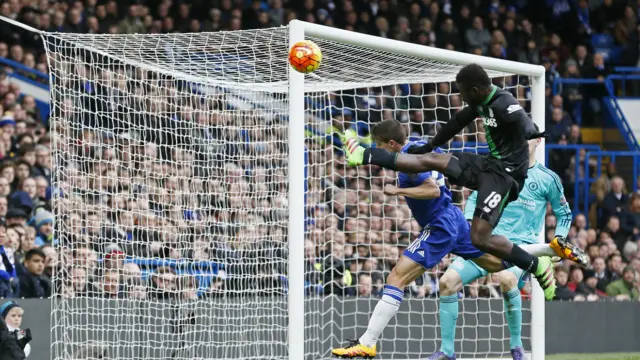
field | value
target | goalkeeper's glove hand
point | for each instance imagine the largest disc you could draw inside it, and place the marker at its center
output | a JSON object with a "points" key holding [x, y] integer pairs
{"points": [[417, 150]]}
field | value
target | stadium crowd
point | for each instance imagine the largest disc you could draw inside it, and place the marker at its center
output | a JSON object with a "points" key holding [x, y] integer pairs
{"points": [[162, 194]]}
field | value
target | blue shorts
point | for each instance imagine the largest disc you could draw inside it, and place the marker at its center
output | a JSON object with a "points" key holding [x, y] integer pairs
{"points": [[450, 236]]}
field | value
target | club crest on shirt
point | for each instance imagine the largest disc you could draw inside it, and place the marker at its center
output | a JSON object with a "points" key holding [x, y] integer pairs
{"points": [[533, 186]]}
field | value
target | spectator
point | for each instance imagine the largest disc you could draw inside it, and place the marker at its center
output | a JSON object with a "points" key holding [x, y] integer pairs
{"points": [[79, 281], [563, 292], [576, 276], [136, 289], [626, 287], [615, 202], [478, 36], [365, 285], [616, 233], [559, 125], [32, 283], [12, 314], [109, 286], [602, 186], [132, 24], [589, 287], [8, 273], [598, 70], [449, 35], [44, 226], [602, 275], [163, 284], [11, 349]]}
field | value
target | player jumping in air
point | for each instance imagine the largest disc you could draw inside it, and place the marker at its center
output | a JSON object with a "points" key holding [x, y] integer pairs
{"points": [[542, 186], [498, 178], [445, 230]]}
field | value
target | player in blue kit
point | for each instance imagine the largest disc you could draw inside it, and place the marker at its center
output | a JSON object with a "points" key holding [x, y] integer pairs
{"points": [[445, 230], [541, 187]]}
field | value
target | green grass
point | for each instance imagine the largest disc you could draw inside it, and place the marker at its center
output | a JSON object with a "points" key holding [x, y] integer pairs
{"points": [[610, 356]]}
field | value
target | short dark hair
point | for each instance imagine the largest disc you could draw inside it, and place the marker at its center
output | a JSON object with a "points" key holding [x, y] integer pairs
{"points": [[26, 148], [388, 130], [34, 252], [473, 75], [613, 255], [628, 268], [22, 162]]}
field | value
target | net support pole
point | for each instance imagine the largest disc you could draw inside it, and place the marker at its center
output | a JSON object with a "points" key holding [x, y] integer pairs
{"points": [[537, 298], [296, 204]]}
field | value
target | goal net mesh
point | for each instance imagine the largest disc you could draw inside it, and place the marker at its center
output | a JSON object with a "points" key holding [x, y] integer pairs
{"points": [[170, 156]]}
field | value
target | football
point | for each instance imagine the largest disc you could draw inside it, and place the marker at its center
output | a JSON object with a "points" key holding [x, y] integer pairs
{"points": [[305, 56]]}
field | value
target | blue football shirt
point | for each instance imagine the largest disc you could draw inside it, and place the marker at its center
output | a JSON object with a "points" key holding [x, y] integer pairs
{"points": [[426, 212]]}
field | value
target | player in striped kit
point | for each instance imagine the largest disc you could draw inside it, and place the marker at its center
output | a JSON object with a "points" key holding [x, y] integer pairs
{"points": [[521, 222]]}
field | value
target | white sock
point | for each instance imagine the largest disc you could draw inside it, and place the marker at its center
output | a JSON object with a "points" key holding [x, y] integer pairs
{"points": [[538, 249], [386, 308]]}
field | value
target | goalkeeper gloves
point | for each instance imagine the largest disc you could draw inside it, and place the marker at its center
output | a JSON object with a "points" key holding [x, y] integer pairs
{"points": [[417, 150]]}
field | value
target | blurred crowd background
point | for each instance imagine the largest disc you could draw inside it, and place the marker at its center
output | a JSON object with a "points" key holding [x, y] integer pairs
{"points": [[162, 193]]}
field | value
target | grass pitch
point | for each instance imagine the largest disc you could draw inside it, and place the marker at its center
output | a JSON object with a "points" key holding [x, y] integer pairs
{"points": [[610, 356]]}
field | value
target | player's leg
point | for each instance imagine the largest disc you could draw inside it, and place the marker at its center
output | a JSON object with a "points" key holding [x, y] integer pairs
{"points": [[405, 272], [563, 248], [565, 251], [510, 283], [460, 272], [358, 155], [495, 190]]}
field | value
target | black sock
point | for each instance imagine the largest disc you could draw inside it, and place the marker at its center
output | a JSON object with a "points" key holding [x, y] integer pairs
{"points": [[380, 157], [523, 259], [506, 265]]}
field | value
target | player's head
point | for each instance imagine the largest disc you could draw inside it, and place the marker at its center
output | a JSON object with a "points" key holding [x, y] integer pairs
{"points": [[533, 144], [474, 84], [389, 135]]}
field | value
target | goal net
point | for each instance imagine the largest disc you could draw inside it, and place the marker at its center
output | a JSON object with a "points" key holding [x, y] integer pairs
{"points": [[171, 157]]}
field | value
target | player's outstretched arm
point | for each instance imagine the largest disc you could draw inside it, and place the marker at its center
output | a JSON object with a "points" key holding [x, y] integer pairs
{"points": [[560, 245], [426, 191], [448, 130], [559, 204]]}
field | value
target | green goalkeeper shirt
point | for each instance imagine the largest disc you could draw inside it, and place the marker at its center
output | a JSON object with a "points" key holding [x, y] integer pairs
{"points": [[523, 219]]}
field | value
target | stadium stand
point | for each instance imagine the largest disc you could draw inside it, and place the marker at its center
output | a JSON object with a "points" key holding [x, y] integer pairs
{"points": [[118, 263]]}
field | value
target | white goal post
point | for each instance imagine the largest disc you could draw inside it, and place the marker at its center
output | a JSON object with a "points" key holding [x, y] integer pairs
{"points": [[158, 94], [300, 30]]}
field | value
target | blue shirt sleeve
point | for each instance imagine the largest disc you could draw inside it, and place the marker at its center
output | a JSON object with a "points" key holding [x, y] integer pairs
{"points": [[561, 208], [412, 180]]}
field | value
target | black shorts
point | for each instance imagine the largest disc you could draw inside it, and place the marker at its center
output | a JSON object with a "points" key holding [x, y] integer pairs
{"points": [[495, 186]]}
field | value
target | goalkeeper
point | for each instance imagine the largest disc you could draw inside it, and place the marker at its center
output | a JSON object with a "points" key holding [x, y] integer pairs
{"points": [[542, 186]]}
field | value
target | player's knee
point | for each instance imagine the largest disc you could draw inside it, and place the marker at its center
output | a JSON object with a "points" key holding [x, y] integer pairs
{"points": [[450, 283], [508, 281]]}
